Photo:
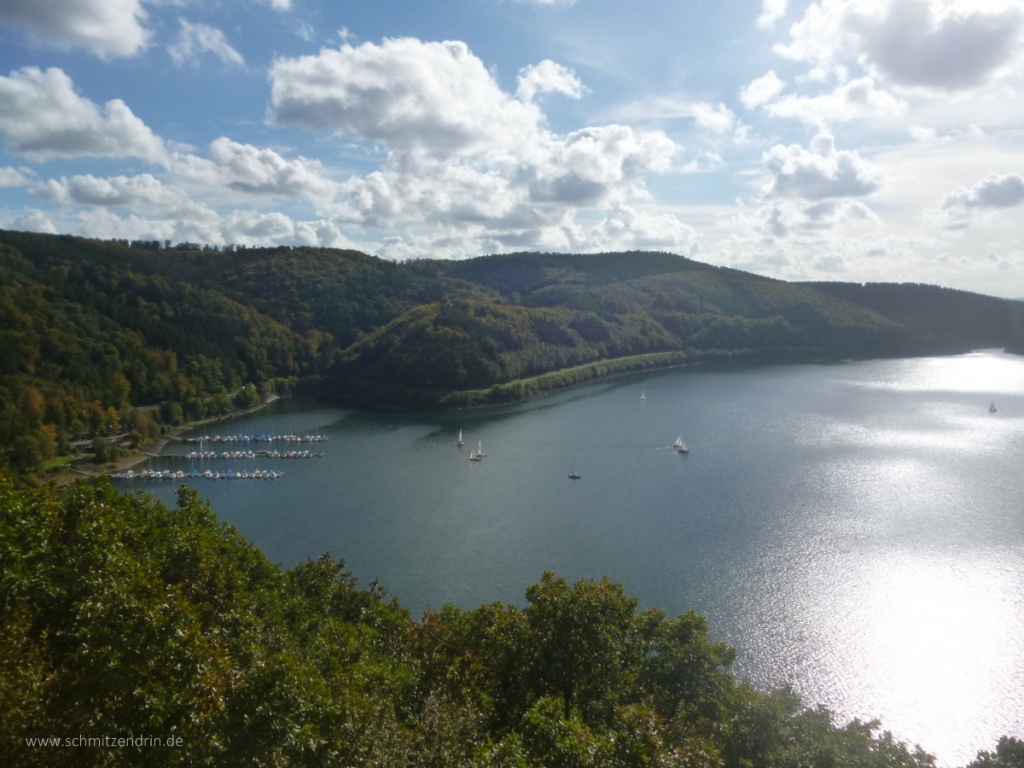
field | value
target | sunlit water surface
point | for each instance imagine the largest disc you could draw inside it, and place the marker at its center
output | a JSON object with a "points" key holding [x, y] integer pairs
{"points": [[856, 530]]}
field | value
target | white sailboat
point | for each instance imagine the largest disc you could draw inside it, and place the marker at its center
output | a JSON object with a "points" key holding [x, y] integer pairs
{"points": [[643, 394], [680, 444], [480, 450], [460, 443], [574, 475]]}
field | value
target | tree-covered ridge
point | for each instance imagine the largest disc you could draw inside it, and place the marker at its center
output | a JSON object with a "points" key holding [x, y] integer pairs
{"points": [[118, 338], [89, 335], [120, 617]]}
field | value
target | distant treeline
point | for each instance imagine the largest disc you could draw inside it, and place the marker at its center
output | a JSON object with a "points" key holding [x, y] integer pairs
{"points": [[121, 618], [129, 338]]}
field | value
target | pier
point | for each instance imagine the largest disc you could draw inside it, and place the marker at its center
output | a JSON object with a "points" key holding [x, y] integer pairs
{"points": [[194, 474], [258, 438]]}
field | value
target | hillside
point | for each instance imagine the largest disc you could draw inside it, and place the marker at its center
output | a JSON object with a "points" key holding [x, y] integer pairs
{"points": [[100, 339]]}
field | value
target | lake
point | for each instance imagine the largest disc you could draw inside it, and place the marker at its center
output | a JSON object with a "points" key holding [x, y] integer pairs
{"points": [[854, 529]]}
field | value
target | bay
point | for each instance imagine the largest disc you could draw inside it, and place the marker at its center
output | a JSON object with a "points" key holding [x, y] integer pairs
{"points": [[855, 530]]}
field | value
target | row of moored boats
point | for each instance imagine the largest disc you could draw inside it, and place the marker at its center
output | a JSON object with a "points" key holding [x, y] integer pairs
{"points": [[194, 474], [259, 438], [303, 454]]}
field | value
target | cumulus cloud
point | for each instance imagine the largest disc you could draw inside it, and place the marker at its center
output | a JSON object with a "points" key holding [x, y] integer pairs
{"points": [[435, 97], [548, 77], [993, 191], [196, 39], [856, 100], [588, 162], [12, 177], [107, 28], [42, 117], [762, 90], [255, 170], [940, 45], [820, 173], [34, 221], [944, 46], [716, 118], [771, 12], [462, 153], [627, 228], [142, 191]]}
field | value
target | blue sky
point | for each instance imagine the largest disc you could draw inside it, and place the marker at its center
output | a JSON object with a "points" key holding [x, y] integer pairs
{"points": [[857, 140]]}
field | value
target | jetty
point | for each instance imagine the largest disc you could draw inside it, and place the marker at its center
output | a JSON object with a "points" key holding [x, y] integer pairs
{"points": [[193, 474], [203, 455], [258, 438]]}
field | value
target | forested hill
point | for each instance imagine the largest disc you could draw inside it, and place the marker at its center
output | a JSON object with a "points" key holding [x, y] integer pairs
{"points": [[105, 338]]}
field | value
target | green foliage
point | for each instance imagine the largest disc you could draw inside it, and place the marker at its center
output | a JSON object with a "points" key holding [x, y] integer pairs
{"points": [[1009, 753]]}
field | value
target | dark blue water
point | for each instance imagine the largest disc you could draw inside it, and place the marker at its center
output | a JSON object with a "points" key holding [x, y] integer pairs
{"points": [[856, 530]]}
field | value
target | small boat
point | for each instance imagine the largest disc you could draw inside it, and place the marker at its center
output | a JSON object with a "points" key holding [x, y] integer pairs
{"points": [[460, 443], [480, 450], [680, 444], [574, 475], [643, 394], [992, 407], [474, 456]]}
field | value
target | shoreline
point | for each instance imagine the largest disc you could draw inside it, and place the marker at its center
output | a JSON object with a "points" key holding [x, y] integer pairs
{"points": [[153, 450]]}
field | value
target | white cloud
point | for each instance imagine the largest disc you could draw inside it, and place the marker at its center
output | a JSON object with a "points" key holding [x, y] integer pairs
{"points": [[939, 45], [945, 46], [433, 97], [12, 177], [627, 228], [196, 39], [771, 12], [992, 192], [762, 90], [34, 221], [463, 154], [583, 169], [548, 77], [819, 173], [42, 117], [856, 100], [107, 28], [716, 118], [246, 168], [134, 192]]}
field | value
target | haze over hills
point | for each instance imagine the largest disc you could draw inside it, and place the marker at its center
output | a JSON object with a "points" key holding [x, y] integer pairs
{"points": [[101, 338]]}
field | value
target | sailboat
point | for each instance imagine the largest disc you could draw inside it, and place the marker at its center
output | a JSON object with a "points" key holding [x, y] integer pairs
{"points": [[574, 475], [460, 443], [643, 394], [680, 444], [480, 450], [474, 456], [992, 407]]}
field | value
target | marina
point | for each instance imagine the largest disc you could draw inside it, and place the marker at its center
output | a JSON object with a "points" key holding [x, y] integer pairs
{"points": [[244, 454]]}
